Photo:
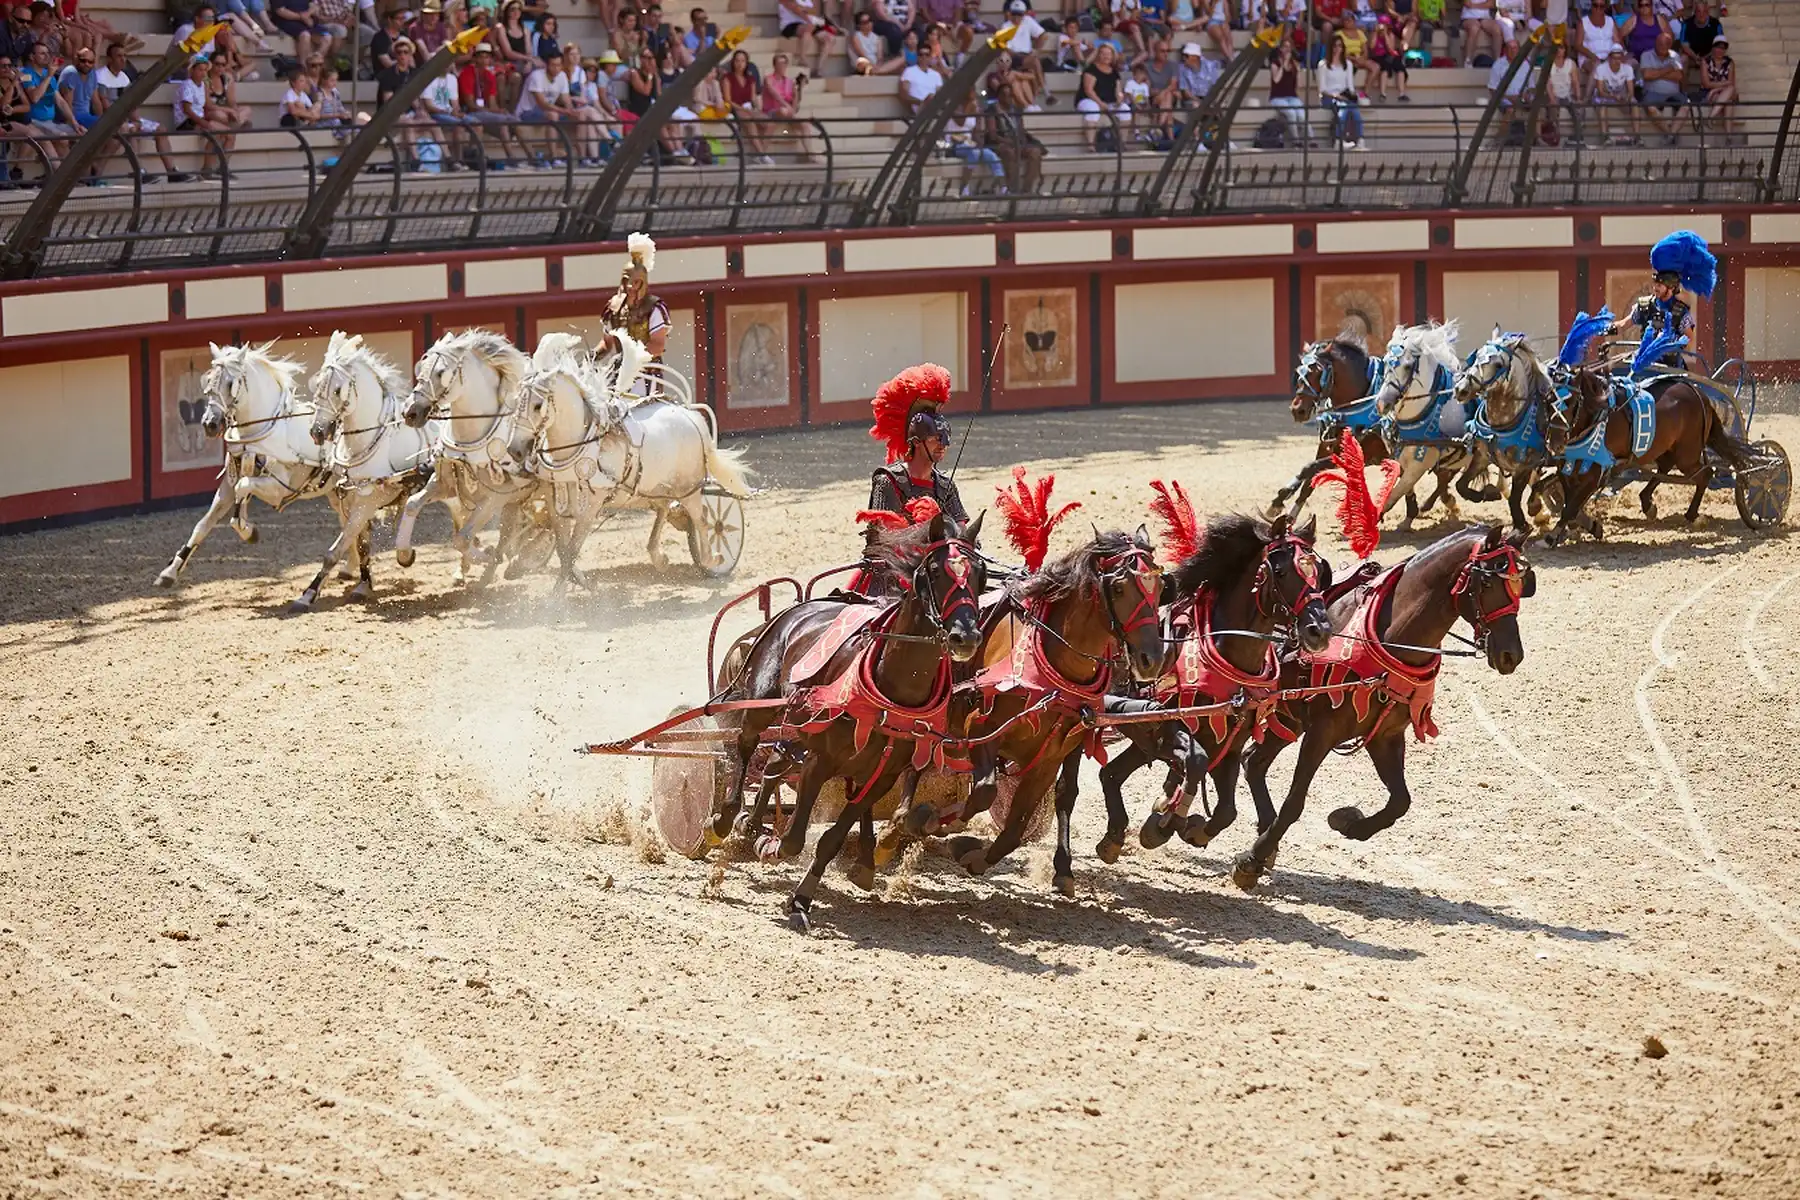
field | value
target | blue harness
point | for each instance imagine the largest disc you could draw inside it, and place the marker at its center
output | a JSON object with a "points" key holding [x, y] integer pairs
{"points": [[1426, 429], [1591, 450], [1358, 416]]}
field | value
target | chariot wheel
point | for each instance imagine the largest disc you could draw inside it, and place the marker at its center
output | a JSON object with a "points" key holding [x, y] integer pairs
{"points": [[720, 533], [1763, 490], [684, 791]]}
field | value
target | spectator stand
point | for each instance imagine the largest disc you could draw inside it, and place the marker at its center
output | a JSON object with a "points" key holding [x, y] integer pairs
{"points": [[1209, 128]]}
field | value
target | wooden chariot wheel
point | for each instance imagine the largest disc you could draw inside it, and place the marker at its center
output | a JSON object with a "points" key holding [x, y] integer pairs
{"points": [[1763, 490]]}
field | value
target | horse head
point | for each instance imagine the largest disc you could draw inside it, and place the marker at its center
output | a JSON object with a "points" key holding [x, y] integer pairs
{"points": [[1410, 365], [220, 387], [1127, 584], [1331, 375], [1487, 592], [436, 373], [333, 385], [1497, 378], [1291, 579], [939, 570]]}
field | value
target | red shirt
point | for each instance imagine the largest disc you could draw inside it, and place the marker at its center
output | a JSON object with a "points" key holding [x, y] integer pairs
{"points": [[740, 90], [478, 83], [1329, 10]]}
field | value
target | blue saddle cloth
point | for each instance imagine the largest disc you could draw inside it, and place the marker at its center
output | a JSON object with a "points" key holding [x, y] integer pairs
{"points": [[1591, 450], [1426, 429]]}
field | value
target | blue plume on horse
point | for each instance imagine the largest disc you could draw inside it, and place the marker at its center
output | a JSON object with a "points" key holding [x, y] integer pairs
{"points": [[1582, 335], [1685, 252], [1653, 348]]}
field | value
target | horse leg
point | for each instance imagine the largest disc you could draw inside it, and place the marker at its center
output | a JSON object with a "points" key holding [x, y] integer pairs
{"points": [[1388, 753], [464, 538], [799, 905], [357, 516], [1646, 496], [1300, 487], [1257, 861], [1412, 470], [1113, 775], [725, 816], [1701, 482], [215, 512], [409, 514], [364, 555], [1515, 501], [658, 559], [1576, 491], [1068, 782], [819, 768], [863, 873], [1198, 831]]}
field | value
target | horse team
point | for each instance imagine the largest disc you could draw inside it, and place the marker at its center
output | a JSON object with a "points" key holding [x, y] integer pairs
{"points": [[548, 443]]}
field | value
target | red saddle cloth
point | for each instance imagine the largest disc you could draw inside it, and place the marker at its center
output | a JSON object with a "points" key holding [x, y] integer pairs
{"points": [[1029, 671], [853, 692], [1203, 675], [1376, 676]]}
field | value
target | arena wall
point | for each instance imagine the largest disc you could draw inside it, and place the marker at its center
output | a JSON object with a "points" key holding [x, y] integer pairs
{"points": [[98, 376]]}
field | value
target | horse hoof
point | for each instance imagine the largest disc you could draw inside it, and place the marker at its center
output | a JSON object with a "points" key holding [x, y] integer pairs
{"points": [[793, 842], [166, 580], [1108, 850], [862, 877], [406, 557], [768, 849], [918, 819], [970, 853], [1158, 828], [1065, 884], [250, 536], [1345, 819], [1649, 510], [797, 919], [1245, 873], [1194, 833]]}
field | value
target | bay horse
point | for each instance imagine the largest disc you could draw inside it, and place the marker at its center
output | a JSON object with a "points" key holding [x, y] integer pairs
{"points": [[1224, 604], [860, 680], [1378, 677], [1607, 435], [1518, 415], [1043, 669]]}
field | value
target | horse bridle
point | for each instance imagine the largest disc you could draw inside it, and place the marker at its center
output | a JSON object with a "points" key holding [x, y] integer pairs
{"points": [[1305, 562], [1319, 393], [1503, 562], [1137, 565], [439, 411], [226, 404], [959, 565], [340, 378]]}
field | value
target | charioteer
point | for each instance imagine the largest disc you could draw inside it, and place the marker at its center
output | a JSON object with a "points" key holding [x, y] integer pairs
{"points": [[908, 423], [634, 310], [1681, 260]]}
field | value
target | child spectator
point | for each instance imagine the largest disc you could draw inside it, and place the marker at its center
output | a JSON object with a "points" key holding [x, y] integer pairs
{"points": [[1614, 82]]}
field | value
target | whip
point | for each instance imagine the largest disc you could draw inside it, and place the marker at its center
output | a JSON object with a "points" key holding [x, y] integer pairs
{"points": [[986, 381]]}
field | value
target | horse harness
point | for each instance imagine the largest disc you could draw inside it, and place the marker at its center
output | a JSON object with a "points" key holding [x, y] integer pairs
{"points": [[1356, 417]]}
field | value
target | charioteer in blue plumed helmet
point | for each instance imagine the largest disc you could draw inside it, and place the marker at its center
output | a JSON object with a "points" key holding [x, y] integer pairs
{"points": [[1681, 260]]}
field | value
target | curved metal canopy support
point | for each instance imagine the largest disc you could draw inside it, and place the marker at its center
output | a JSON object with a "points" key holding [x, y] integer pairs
{"points": [[1208, 115], [1456, 192], [894, 195]]}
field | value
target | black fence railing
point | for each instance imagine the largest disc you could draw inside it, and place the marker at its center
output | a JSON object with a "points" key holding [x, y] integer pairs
{"points": [[220, 196]]}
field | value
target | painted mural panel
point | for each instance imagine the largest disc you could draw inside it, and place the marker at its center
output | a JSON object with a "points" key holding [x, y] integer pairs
{"points": [[1366, 307], [1043, 348], [756, 356], [184, 446]]}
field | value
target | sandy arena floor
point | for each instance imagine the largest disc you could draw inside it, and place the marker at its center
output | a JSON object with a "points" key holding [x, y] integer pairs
{"points": [[325, 905]]}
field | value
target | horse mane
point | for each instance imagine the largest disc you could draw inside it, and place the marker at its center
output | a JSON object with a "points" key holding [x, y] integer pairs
{"points": [[1074, 572], [1350, 350], [559, 350], [1433, 341], [496, 350], [1231, 544], [236, 361], [900, 549], [348, 349]]}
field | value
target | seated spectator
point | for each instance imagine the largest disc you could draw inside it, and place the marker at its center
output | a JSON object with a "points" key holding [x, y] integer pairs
{"points": [[701, 34], [39, 83], [15, 119], [597, 112], [545, 101], [781, 108], [546, 39], [1516, 92], [191, 116], [1481, 33], [15, 36], [1021, 154], [513, 46], [1102, 94], [1161, 71], [918, 83], [1515, 18], [1406, 20], [1596, 35], [478, 91], [394, 78], [333, 112], [658, 33], [222, 99], [709, 97], [46, 30], [1429, 21], [1563, 95], [76, 87], [114, 76], [868, 49], [381, 46], [1010, 90], [1388, 59], [298, 104], [1027, 36], [429, 32], [1195, 78], [645, 85], [1217, 25], [743, 90], [892, 19], [440, 104], [963, 134], [1325, 17], [1718, 75], [295, 18], [1128, 23], [336, 17], [1699, 32], [1337, 95], [1660, 72], [1356, 48], [629, 38], [1641, 29], [225, 42], [801, 22], [1613, 87], [970, 26], [83, 32]]}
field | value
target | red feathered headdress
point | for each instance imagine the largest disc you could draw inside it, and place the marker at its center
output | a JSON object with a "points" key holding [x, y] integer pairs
{"points": [[1181, 529], [1359, 513], [924, 386], [1026, 509], [918, 511]]}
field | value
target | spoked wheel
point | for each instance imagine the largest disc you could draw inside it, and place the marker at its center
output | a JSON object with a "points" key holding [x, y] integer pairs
{"points": [[720, 536], [1764, 488], [683, 792]]}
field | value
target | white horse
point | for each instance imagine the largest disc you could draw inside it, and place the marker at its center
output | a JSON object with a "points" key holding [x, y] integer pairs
{"points": [[249, 397], [1410, 394], [357, 396], [579, 426], [468, 384]]}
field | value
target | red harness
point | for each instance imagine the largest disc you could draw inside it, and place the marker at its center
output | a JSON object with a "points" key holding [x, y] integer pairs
{"points": [[1203, 674], [1378, 676], [853, 693]]}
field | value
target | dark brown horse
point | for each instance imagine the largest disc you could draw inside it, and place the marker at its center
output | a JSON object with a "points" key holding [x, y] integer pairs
{"points": [[1687, 425], [1382, 668], [903, 654], [1335, 375], [1225, 602], [1044, 667]]}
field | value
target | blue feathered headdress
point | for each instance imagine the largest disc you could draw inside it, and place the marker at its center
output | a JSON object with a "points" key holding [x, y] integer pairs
{"points": [[1582, 335], [1653, 348], [1684, 253]]}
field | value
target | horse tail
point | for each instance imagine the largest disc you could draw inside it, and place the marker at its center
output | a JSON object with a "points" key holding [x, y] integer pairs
{"points": [[727, 468], [1736, 451]]}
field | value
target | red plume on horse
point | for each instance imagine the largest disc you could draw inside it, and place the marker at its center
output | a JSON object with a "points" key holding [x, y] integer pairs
{"points": [[1359, 512], [1026, 509], [919, 511], [926, 385], [1181, 528]]}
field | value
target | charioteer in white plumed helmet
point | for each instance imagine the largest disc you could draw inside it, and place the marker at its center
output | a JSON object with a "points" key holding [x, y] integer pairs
{"points": [[633, 310]]}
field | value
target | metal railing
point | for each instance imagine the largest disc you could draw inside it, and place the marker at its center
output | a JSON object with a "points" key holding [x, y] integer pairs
{"points": [[156, 200]]}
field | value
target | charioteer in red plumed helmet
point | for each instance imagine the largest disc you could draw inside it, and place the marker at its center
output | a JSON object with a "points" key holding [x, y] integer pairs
{"points": [[908, 423]]}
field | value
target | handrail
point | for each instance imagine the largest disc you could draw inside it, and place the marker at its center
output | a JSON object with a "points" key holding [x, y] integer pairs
{"points": [[1772, 189], [1523, 188], [1253, 58], [1199, 118]]}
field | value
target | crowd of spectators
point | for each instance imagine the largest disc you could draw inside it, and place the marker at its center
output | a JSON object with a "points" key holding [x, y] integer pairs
{"points": [[1620, 66]]}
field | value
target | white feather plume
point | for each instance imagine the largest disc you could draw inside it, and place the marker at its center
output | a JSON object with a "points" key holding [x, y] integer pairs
{"points": [[640, 247]]}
